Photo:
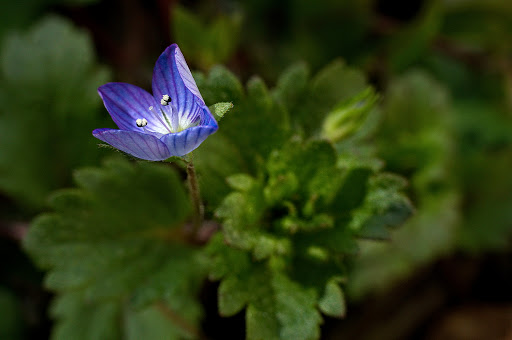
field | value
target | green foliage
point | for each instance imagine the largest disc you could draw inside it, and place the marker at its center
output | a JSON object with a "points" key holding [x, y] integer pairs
{"points": [[277, 307], [292, 228], [114, 248], [246, 135], [416, 140], [263, 118], [307, 101], [206, 45], [49, 95], [292, 208]]}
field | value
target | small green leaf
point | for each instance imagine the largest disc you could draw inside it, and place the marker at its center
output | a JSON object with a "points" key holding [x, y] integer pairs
{"points": [[332, 303], [220, 109]]}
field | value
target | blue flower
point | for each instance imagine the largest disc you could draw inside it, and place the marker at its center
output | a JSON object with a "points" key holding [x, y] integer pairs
{"points": [[171, 122]]}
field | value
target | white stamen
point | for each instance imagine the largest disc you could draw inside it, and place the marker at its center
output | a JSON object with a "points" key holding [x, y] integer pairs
{"points": [[141, 122], [165, 100]]}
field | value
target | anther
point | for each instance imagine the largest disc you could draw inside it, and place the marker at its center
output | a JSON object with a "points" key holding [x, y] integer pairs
{"points": [[165, 100], [141, 122]]}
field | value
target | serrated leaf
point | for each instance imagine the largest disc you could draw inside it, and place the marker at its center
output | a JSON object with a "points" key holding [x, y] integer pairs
{"points": [[99, 256], [279, 308], [296, 310], [80, 319], [84, 320]]}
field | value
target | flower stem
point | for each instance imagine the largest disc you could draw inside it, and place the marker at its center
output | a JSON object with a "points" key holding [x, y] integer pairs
{"points": [[195, 195]]}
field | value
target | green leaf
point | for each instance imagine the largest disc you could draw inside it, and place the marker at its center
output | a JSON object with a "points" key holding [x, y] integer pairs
{"points": [[220, 86], [220, 109], [204, 43], [83, 320], [332, 302], [49, 95], [189, 32], [281, 308], [215, 160], [291, 85], [255, 125], [296, 309], [385, 206], [277, 307], [118, 237], [334, 83], [303, 167]]}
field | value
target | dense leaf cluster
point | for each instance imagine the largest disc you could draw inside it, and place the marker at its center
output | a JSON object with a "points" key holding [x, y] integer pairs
{"points": [[291, 207]]}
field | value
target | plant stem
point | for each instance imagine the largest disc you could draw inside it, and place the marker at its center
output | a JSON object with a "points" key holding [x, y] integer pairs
{"points": [[195, 196]]}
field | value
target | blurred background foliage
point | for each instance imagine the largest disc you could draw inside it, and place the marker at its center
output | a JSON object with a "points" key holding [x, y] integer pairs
{"points": [[443, 69]]}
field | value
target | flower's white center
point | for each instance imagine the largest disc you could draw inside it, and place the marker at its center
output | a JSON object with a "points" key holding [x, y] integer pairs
{"points": [[168, 116]]}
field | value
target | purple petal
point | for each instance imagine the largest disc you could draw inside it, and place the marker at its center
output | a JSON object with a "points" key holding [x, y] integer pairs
{"points": [[137, 144], [126, 103], [181, 143], [185, 73], [172, 76]]}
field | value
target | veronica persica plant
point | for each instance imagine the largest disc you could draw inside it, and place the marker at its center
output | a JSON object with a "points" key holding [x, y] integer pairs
{"points": [[171, 122]]}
